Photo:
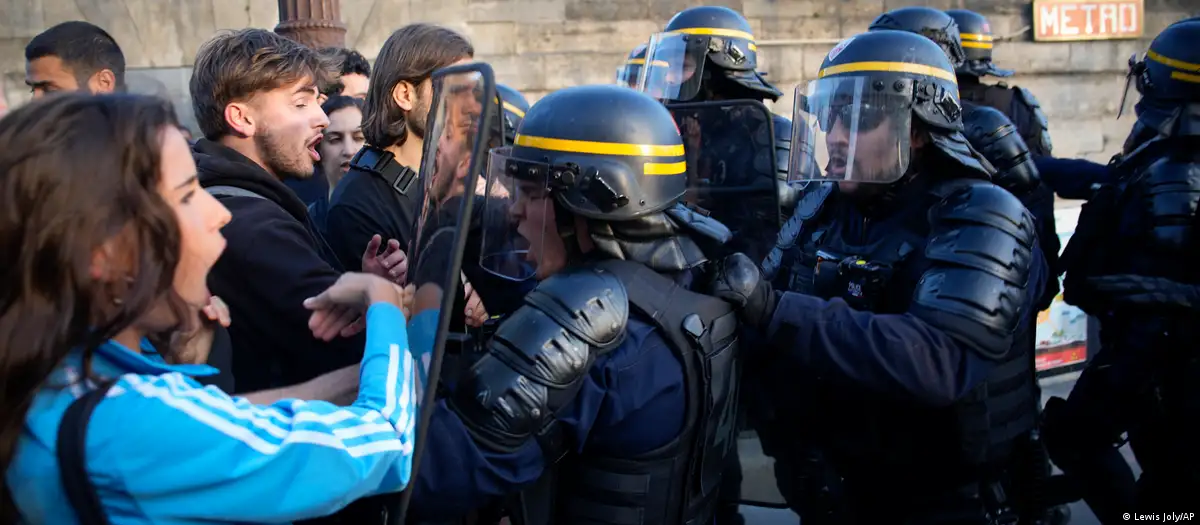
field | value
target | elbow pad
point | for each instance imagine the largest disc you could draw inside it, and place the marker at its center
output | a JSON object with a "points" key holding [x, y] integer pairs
{"points": [[539, 357]]}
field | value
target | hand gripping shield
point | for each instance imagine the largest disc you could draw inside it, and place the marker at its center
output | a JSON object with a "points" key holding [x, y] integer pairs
{"points": [[730, 150], [461, 122]]}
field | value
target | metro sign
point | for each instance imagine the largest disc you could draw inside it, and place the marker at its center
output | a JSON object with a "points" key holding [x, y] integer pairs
{"points": [[1069, 20]]}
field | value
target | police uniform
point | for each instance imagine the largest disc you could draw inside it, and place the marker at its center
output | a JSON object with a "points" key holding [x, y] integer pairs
{"points": [[909, 293], [1017, 103], [987, 129], [1131, 263], [608, 397]]}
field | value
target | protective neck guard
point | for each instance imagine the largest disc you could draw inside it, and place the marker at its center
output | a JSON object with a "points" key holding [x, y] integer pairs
{"points": [[674, 240]]}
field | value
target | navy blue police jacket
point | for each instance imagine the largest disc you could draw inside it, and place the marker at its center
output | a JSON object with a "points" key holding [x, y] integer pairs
{"points": [[632, 401], [1072, 178], [897, 354]]}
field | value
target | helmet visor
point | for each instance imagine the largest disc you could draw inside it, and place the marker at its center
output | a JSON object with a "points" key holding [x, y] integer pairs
{"points": [[517, 211], [628, 73], [850, 129], [674, 66]]}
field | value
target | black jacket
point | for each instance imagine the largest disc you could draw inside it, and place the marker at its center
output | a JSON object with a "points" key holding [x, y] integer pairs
{"points": [[275, 259]]}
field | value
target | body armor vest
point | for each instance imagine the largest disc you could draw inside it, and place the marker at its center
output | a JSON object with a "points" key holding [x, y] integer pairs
{"points": [[875, 264], [677, 483]]}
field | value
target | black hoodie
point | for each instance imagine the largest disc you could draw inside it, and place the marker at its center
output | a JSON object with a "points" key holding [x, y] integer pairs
{"points": [[275, 259]]}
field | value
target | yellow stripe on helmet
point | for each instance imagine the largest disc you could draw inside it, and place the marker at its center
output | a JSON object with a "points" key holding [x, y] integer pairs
{"points": [[1186, 77], [664, 168], [1177, 64], [976, 45], [714, 31], [976, 37], [513, 109], [599, 148], [888, 67], [642, 61]]}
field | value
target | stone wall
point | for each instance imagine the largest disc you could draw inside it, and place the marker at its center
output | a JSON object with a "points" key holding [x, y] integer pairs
{"points": [[538, 46]]}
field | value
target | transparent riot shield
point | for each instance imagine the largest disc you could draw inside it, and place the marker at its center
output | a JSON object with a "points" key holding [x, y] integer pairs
{"points": [[730, 152], [459, 130]]}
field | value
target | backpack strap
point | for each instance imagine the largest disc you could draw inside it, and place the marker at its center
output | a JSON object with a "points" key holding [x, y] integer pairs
{"points": [[383, 164], [685, 317], [72, 457]]}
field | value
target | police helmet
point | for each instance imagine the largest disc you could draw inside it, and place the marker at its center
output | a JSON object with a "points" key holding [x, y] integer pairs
{"points": [[928, 22], [1170, 70], [602, 152], [705, 45], [856, 119], [1168, 78], [977, 43], [514, 107], [628, 72]]}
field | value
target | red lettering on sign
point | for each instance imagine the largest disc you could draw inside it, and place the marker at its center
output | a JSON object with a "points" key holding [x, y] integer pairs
{"points": [[1065, 20]]}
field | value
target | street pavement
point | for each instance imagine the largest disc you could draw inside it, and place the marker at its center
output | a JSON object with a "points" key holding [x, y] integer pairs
{"points": [[762, 485]]}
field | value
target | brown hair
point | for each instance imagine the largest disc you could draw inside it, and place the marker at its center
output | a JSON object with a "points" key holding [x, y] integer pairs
{"points": [[236, 65], [55, 211], [411, 54]]}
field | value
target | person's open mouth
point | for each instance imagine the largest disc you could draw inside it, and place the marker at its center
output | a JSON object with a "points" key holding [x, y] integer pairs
{"points": [[836, 165], [312, 148]]}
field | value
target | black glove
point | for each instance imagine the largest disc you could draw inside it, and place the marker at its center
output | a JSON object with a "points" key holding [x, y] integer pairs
{"points": [[1137, 290], [738, 281]]}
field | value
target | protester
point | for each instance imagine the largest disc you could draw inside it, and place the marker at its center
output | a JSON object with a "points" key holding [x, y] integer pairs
{"points": [[342, 139], [106, 273], [351, 82], [74, 56], [367, 203], [254, 95], [355, 73]]}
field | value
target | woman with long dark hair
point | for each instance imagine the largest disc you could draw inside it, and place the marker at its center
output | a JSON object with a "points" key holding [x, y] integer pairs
{"points": [[107, 240]]}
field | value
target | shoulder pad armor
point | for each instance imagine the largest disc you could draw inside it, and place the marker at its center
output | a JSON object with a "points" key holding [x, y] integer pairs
{"points": [[538, 357], [1172, 195], [994, 135], [981, 248], [1037, 129]]}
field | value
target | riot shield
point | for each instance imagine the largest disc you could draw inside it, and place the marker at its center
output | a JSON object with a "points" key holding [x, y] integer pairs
{"points": [[458, 131], [730, 151]]}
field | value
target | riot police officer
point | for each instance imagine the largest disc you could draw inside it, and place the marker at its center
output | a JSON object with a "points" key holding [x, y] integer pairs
{"points": [[608, 397], [990, 132], [737, 148], [1016, 102], [909, 282], [1131, 263], [630, 71], [994, 136], [514, 106]]}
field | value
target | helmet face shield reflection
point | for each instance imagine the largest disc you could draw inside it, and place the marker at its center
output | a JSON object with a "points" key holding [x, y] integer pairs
{"points": [[847, 129], [516, 215], [628, 74], [674, 66]]}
